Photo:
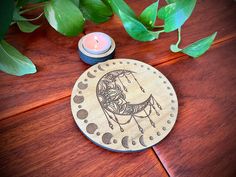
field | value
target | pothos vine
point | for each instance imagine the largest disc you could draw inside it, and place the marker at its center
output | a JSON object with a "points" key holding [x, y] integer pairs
{"points": [[68, 18]]}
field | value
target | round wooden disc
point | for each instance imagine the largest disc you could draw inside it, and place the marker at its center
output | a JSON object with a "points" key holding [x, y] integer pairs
{"points": [[124, 105]]}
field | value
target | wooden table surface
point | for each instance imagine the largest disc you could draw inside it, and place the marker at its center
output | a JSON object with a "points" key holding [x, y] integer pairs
{"points": [[38, 136]]}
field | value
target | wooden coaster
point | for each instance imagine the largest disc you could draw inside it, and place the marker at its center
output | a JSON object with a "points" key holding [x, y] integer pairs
{"points": [[124, 105]]}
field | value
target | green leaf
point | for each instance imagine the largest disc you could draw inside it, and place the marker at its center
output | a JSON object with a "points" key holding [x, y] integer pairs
{"points": [[95, 10], [149, 15], [23, 23], [195, 49], [21, 3], [107, 3], [175, 14], [6, 13], [120, 5], [76, 2], [24, 2], [136, 29], [27, 27], [170, 1], [198, 48], [13, 62], [64, 17], [164, 11], [17, 17]]}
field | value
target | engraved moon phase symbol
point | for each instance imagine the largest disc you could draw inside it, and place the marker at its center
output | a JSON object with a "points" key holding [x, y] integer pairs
{"points": [[124, 142], [100, 68], [106, 138], [91, 128], [82, 114], [82, 86], [142, 141], [78, 99], [90, 75]]}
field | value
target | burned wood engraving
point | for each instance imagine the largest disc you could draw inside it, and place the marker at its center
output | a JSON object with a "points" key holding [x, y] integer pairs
{"points": [[124, 105], [111, 93]]}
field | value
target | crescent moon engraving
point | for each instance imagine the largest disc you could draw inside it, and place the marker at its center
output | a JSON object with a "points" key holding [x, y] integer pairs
{"points": [[106, 138], [82, 86], [124, 142], [141, 141], [100, 68], [90, 75], [111, 92]]}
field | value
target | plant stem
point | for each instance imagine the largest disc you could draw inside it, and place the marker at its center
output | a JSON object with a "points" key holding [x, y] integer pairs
{"points": [[179, 37], [32, 19], [32, 8], [158, 33], [161, 26], [175, 47]]}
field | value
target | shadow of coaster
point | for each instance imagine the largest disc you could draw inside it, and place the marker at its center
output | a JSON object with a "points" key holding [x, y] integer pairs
{"points": [[124, 105]]}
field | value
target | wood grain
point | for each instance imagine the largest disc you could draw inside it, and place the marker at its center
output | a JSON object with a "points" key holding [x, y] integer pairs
{"points": [[59, 65], [203, 141], [38, 136], [46, 142]]}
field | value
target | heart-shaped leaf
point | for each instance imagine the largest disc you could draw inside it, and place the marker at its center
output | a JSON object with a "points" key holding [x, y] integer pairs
{"points": [[27, 27], [149, 15], [175, 14], [95, 10], [6, 13], [13, 62], [120, 5], [64, 17], [198, 48], [136, 29], [195, 49]]}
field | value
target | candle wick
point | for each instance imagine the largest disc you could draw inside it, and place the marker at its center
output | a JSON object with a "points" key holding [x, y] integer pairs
{"points": [[96, 39]]}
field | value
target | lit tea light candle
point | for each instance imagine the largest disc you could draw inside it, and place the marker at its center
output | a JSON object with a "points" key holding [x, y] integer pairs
{"points": [[96, 43], [96, 47]]}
